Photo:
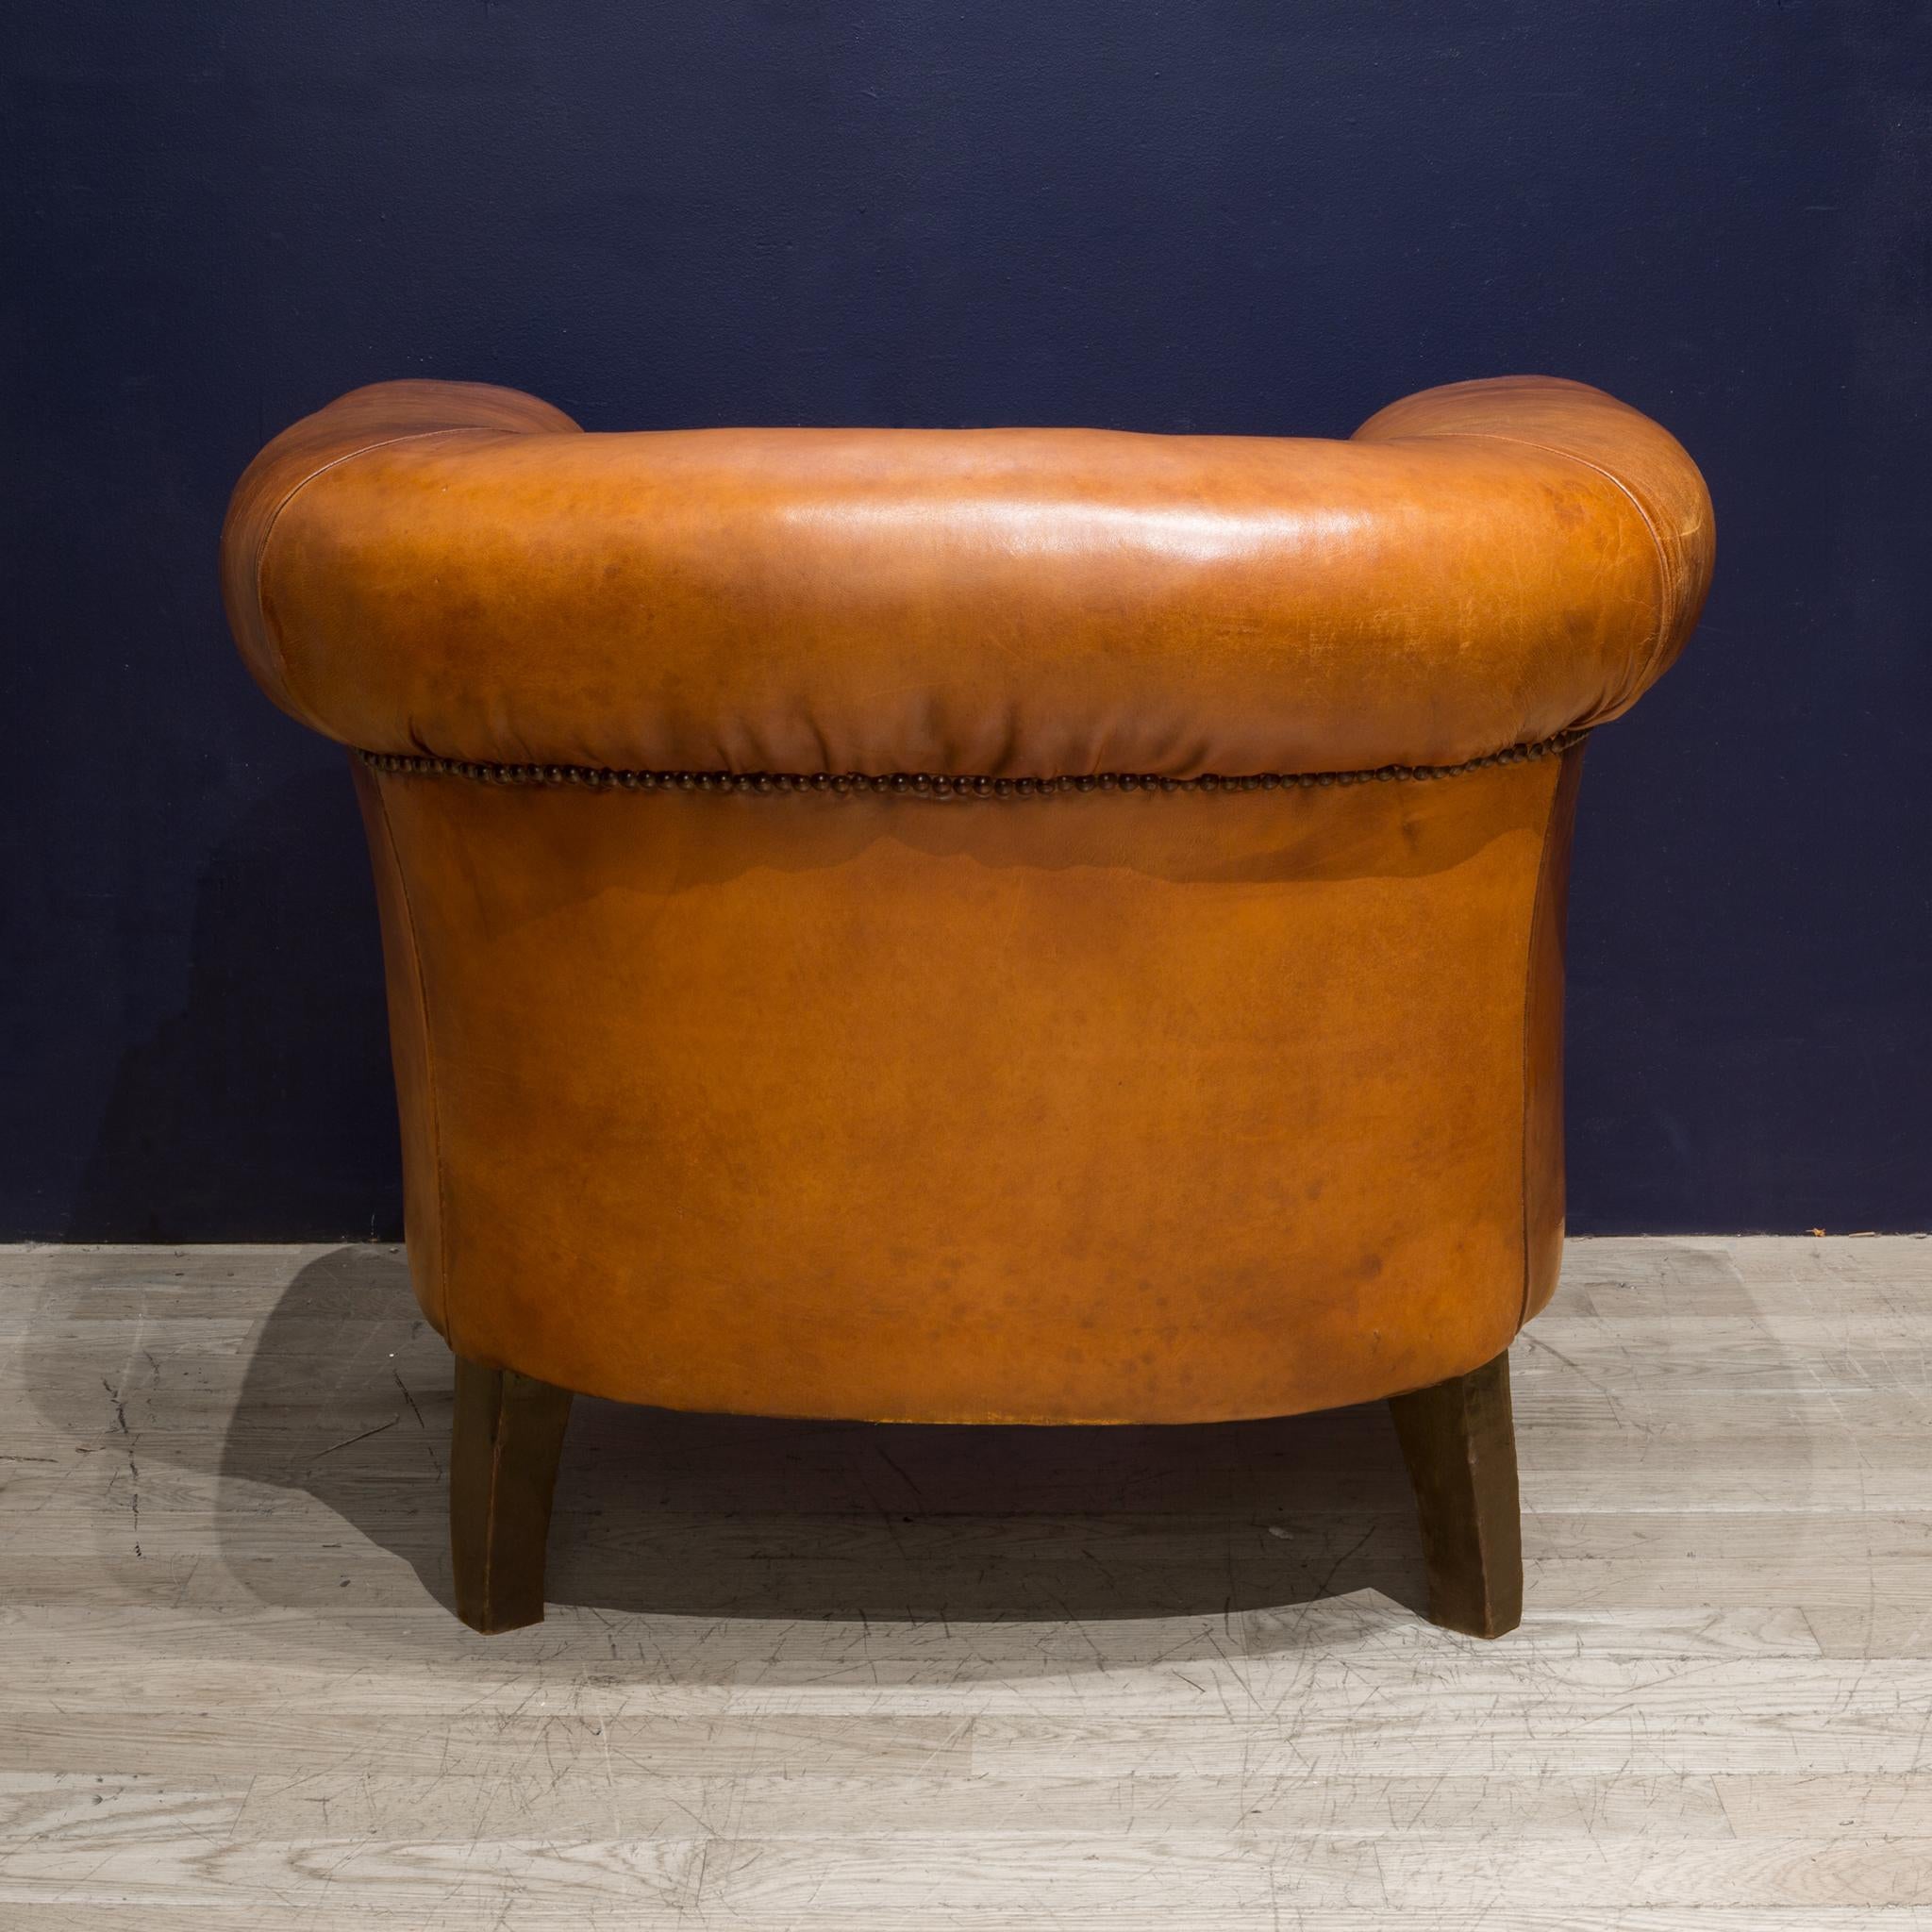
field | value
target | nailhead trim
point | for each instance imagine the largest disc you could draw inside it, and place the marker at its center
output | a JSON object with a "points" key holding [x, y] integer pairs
{"points": [[937, 786]]}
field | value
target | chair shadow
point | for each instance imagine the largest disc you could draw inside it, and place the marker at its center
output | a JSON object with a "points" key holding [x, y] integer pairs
{"points": [[787, 1522], [227, 1115]]}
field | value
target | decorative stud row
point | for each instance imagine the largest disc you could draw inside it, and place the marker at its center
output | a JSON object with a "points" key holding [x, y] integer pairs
{"points": [[938, 785]]}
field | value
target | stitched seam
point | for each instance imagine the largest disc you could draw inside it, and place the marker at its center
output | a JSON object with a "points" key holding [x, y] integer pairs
{"points": [[939, 786], [1667, 592], [443, 1221], [274, 518], [1529, 965]]}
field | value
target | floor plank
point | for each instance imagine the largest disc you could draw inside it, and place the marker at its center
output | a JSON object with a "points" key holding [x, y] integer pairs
{"points": [[812, 1675]]}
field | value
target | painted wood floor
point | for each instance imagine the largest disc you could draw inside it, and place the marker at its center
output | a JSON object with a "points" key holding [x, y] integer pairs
{"points": [[810, 1675]]}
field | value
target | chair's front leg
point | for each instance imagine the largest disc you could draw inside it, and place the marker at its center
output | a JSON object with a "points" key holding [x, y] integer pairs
{"points": [[504, 1449], [1460, 1440]]}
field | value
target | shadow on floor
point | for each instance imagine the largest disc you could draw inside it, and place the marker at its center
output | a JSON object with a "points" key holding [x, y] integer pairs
{"points": [[743, 1517], [343, 1395]]}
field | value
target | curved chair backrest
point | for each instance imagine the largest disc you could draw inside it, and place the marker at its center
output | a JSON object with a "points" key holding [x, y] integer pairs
{"points": [[1018, 924]]}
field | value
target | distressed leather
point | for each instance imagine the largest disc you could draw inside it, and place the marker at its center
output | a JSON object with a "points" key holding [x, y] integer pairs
{"points": [[1103, 1105], [1482, 566]]}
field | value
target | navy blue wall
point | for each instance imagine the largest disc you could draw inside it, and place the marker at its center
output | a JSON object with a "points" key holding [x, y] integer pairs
{"points": [[1258, 218]]}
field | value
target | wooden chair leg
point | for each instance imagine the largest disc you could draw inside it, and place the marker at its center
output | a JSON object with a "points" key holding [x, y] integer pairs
{"points": [[1460, 1440], [504, 1450]]}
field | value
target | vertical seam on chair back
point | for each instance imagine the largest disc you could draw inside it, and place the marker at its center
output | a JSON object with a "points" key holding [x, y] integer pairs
{"points": [[1554, 833], [443, 1315]]}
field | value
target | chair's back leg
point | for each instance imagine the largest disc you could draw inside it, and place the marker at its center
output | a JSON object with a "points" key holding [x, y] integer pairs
{"points": [[504, 1450], [1460, 1440]]}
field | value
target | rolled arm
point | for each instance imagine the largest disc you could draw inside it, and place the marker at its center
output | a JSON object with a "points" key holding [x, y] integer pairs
{"points": [[352, 425], [1584, 425]]}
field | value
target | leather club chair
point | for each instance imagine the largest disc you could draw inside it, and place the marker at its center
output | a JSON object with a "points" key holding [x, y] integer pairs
{"points": [[1020, 925]]}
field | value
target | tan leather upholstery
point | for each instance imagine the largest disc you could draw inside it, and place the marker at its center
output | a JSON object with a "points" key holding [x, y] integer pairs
{"points": [[1086, 1102], [458, 571]]}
